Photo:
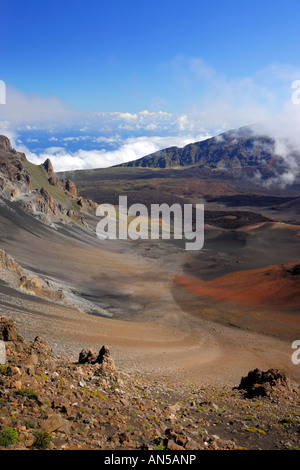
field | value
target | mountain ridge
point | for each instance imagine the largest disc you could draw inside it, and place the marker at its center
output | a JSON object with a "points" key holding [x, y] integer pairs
{"points": [[234, 149]]}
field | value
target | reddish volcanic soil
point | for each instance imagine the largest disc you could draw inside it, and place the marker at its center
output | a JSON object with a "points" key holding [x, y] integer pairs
{"points": [[272, 286]]}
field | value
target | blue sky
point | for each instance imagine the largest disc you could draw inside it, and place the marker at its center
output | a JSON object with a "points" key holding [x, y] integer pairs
{"points": [[209, 65], [118, 55]]}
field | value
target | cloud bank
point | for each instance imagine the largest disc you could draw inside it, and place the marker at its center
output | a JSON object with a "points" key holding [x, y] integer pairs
{"points": [[45, 127], [130, 149]]}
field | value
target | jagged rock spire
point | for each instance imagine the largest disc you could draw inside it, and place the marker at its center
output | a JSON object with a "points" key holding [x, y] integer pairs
{"points": [[47, 165]]}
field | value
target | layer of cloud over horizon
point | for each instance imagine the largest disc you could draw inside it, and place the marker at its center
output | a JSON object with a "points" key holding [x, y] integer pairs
{"points": [[81, 140], [130, 149]]}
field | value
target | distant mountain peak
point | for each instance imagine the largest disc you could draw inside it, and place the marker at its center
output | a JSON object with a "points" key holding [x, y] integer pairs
{"points": [[233, 149]]}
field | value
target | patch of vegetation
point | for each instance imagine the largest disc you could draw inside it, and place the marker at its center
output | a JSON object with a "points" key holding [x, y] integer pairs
{"points": [[29, 424], [200, 408], [158, 443], [5, 370], [160, 447], [9, 437], [28, 393], [156, 418], [249, 418], [4, 401], [43, 440], [288, 421], [260, 431], [94, 393]]}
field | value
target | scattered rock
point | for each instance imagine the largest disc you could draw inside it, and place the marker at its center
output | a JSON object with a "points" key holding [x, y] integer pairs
{"points": [[15, 194], [172, 409], [66, 405], [8, 330], [55, 422], [171, 445]]}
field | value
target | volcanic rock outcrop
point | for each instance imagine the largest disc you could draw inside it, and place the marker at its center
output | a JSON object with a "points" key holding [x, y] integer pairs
{"points": [[7, 262], [260, 384], [70, 187], [38, 190], [11, 164], [103, 359], [48, 167], [13, 274]]}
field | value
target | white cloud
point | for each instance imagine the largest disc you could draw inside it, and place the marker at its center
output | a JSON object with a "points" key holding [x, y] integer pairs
{"points": [[126, 115], [130, 149], [184, 124], [217, 104], [30, 109]]}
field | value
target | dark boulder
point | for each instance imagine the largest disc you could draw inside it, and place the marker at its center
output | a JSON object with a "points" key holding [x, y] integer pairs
{"points": [[264, 384], [88, 356]]}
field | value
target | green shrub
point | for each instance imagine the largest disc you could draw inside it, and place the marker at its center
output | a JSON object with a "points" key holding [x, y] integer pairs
{"points": [[9, 437], [30, 424], [43, 439]]}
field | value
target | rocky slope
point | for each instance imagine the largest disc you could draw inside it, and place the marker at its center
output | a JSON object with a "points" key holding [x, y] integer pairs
{"points": [[37, 189], [13, 274], [52, 402]]}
